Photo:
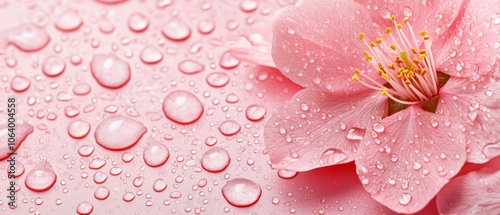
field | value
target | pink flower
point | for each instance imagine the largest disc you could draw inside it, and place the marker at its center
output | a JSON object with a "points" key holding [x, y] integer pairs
{"points": [[405, 89]]}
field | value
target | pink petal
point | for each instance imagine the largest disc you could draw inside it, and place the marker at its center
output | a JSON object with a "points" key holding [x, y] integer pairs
{"points": [[318, 129], [473, 46], [316, 43], [475, 193], [476, 107], [412, 154]]}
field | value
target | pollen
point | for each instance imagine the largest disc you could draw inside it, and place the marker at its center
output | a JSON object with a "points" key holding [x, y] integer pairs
{"points": [[361, 36], [355, 77]]}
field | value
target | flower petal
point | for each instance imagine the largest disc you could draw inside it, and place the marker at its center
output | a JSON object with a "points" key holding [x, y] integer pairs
{"points": [[472, 47], [476, 107], [315, 43], [318, 129], [475, 193], [412, 154]]}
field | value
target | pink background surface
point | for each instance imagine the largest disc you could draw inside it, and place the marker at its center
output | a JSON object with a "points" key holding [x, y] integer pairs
{"points": [[331, 190]]}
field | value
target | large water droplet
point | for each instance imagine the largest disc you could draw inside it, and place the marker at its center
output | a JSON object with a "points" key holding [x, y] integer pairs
{"points": [[191, 67], [355, 134], [29, 38], [241, 192], [155, 154], [176, 30], [21, 131], [182, 107], [249, 5], [68, 20], [229, 127], [228, 60], [119, 132], [286, 174], [20, 83], [84, 208], [78, 129], [159, 185], [138, 22], [217, 79], [215, 159], [101, 193], [53, 66], [110, 71], [151, 55], [332, 156], [255, 112], [405, 199], [41, 178]]}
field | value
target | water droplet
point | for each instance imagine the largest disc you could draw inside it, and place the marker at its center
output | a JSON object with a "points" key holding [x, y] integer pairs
{"points": [[159, 185], [241, 192], [84, 208], [215, 159], [138, 22], [405, 199], [110, 71], [229, 127], [355, 134], [128, 196], [496, 18], [78, 129], [41, 178], [138, 181], [119, 132], [417, 166], [155, 154], [190, 67], [53, 66], [206, 26], [85, 150], [332, 156], [68, 20], [97, 163], [22, 131], [378, 127], [176, 30], [20, 83], [228, 60], [249, 5], [151, 55], [385, 14], [255, 112], [286, 174], [182, 107], [217, 79], [81, 89], [29, 38], [491, 150], [101, 193], [407, 11], [100, 177]]}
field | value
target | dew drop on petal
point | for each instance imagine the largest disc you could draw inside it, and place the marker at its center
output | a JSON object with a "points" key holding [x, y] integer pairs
{"points": [[85, 150], [255, 112], [491, 150], [155, 154], [100, 177], [176, 30], [159, 185], [20, 83], [206, 26], [241, 192], [228, 60], [119, 132], [82, 89], [249, 5], [286, 174], [190, 67], [217, 79], [84, 208], [407, 11], [78, 129], [355, 134], [417, 166], [41, 178], [128, 196], [495, 19], [332, 156], [101, 193], [110, 71], [405, 199], [151, 55], [53, 66], [378, 127], [215, 159], [68, 20], [138, 22], [229, 127], [29, 38], [182, 107]]}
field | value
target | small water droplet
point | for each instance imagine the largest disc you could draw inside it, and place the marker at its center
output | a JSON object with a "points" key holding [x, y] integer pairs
{"points": [[249, 5], [155, 154], [495, 19], [217, 79], [101, 193], [215, 159], [332, 156], [407, 11], [119, 132], [176, 30], [138, 22], [20, 83], [255, 112], [206, 26], [241, 192], [84, 208], [229, 127], [151, 55], [68, 20], [228, 60], [405, 199], [78, 129], [159, 185], [182, 107], [191, 67], [41, 178], [417, 166], [128, 196], [53, 66], [286, 174], [110, 71], [355, 134]]}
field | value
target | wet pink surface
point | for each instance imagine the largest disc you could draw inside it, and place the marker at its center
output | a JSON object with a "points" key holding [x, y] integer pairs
{"points": [[100, 81]]}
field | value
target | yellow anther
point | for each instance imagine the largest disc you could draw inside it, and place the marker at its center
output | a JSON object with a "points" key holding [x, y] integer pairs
{"points": [[380, 72], [415, 60], [387, 77], [392, 18], [399, 26], [415, 68], [405, 20], [355, 77], [388, 30], [410, 74], [423, 33], [426, 37], [379, 40], [373, 45], [422, 56], [423, 71], [423, 51], [381, 66], [391, 66], [384, 91], [407, 81], [413, 50], [368, 58], [356, 70], [393, 47], [361, 36]]}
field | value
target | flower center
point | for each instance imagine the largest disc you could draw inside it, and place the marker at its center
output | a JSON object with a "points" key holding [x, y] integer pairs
{"points": [[409, 70]]}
